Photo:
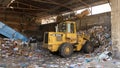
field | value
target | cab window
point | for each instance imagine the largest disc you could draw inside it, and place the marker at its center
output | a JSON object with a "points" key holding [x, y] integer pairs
{"points": [[70, 28]]}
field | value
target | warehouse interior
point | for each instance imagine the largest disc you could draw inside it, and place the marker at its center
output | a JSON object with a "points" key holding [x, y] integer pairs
{"points": [[33, 34]]}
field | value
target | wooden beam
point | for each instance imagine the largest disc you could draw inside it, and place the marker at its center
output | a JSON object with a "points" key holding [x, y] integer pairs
{"points": [[55, 3], [64, 4], [10, 2], [84, 3], [20, 8], [17, 12], [53, 9], [29, 5]]}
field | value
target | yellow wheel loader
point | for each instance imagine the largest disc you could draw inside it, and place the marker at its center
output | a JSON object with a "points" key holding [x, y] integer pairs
{"points": [[66, 40]]}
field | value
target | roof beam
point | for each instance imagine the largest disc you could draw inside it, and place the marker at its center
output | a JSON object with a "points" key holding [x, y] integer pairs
{"points": [[18, 12], [19, 8], [84, 3], [53, 9], [55, 3], [29, 5]]}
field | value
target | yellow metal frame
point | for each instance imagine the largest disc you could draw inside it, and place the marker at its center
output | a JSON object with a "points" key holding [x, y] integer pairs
{"points": [[53, 45]]}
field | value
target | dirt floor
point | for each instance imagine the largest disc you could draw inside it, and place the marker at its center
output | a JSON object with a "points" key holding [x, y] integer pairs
{"points": [[44, 59]]}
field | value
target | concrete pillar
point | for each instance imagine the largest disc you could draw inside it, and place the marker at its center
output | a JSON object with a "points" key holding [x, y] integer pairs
{"points": [[115, 22]]}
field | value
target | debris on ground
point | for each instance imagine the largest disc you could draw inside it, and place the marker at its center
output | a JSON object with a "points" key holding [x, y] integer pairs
{"points": [[14, 54]]}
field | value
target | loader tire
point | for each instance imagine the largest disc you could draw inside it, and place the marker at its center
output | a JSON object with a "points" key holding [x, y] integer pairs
{"points": [[88, 47], [66, 50], [54, 53]]}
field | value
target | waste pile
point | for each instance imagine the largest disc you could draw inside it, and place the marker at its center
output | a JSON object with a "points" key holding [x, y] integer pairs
{"points": [[11, 47], [100, 36], [44, 59], [14, 54], [8, 47]]}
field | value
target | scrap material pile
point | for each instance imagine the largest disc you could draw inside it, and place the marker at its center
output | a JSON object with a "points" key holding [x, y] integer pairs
{"points": [[100, 38], [9, 47], [15, 48], [13, 54]]}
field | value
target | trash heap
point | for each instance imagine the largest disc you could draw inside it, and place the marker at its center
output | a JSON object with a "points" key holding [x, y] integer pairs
{"points": [[9, 47], [100, 36], [14, 54], [15, 48]]}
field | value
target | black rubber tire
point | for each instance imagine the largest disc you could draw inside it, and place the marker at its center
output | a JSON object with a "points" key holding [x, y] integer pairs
{"points": [[62, 50], [88, 47], [54, 53]]}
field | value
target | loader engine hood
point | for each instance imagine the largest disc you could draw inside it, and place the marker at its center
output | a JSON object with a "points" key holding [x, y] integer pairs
{"points": [[52, 37]]}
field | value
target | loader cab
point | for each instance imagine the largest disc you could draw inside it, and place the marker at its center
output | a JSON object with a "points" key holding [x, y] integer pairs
{"points": [[67, 27]]}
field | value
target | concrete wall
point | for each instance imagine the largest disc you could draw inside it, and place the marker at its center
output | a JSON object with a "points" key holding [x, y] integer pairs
{"points": [[89, 21]]}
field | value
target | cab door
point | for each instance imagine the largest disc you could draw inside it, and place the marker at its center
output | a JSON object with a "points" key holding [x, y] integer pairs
{"points": [[71, 33]]}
